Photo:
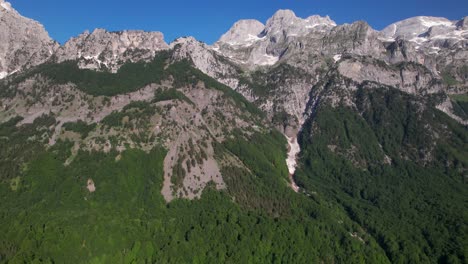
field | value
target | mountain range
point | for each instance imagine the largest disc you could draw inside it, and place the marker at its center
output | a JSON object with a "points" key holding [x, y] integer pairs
{"points": [[345, 143]]}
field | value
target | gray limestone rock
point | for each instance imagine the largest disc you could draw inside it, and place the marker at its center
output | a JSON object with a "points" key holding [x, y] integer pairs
{"points": [[24, 42], [104, 50], [243, 33], [463, 24]]}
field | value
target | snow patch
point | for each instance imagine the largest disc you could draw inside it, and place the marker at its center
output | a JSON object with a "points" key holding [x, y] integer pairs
{"points": [[394, 30], [386, 39], [251, 39], [418, 40], [337, 57], [457, 34], [319, 24], [3, 74], [248, 41], [431, 23]]}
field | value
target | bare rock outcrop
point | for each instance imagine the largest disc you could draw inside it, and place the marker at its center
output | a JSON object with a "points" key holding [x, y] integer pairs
{"points": [[104, 50], [24, 42]]}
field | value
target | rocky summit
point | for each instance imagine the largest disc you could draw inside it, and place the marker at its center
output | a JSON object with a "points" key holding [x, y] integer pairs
{"points": [[294, 140], [24, 42], [103, 50]]}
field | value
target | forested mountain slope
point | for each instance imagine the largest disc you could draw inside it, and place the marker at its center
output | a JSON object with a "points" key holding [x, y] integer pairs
{"points": [[294, 141]]}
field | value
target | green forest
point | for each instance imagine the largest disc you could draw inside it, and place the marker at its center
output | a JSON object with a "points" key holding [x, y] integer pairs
{"points": [[383, 181], [415, 205], [49, 216]]}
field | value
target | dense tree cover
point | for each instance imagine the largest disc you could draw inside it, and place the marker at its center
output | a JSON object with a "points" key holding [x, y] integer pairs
{"points": [[398, 167], [170, 94], [51, 217], [137, 111], [460, 105], [80, 127], [265, 159], [130, 77], [19, 146]]}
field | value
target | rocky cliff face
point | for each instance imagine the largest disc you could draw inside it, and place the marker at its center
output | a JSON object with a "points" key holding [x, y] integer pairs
{"points": [[437, 43], [206, 60], [24, 42]]}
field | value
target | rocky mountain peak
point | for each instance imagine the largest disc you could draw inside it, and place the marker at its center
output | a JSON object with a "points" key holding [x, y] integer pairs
{"points": [[244, 32], [104, 50], [128, 38], [318, 20], [428, 35], [362, 27], [251, 43], [413, 27], [357, 38], [286, 22], [283, 14], [184, 41], [24, 42], [280, 22]]}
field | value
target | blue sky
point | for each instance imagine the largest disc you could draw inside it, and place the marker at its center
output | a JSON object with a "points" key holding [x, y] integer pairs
{"points": [[207, 20]]}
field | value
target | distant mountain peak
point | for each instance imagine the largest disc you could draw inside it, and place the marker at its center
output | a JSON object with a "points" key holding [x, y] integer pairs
{"points": [[287, 18], [415, 26], [317, 19], [243, 32], [250, 42], [284, 14], [283, 24]]}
